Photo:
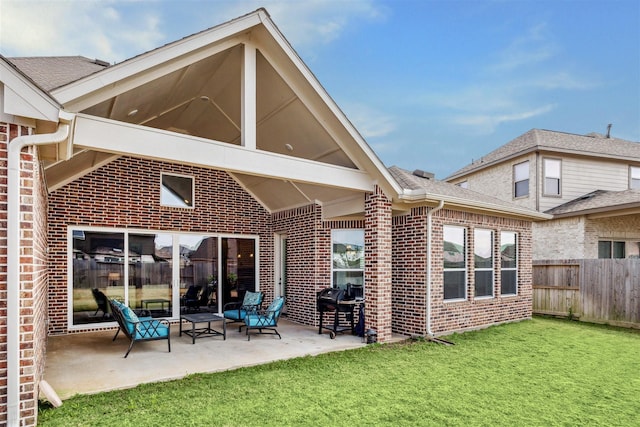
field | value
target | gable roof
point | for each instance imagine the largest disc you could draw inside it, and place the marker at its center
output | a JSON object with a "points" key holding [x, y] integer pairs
{"points": [[600, 202], [429, 189], [594, 145], [51, 72]]}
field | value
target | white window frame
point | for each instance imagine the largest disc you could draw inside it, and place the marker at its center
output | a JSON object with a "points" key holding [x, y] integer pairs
{"points": [[552, 175], [634, 177], [480, 269], [517, 262], [465, 269], [519, 177], [361, 268], [185, 204]]}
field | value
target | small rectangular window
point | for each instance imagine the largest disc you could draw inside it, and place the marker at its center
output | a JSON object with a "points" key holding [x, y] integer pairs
{"points": [[611, 249], [552, 168], [634, 177], [176, 191], [508, 263], [483, 262], [521, 179], [455, 263]]}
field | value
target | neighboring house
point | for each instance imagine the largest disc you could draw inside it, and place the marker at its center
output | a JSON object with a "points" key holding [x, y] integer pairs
{"points": [[220, 161], [589, 183]]}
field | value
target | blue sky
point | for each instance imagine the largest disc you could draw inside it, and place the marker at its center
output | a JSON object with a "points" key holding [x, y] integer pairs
{"points": [[429, 84]]}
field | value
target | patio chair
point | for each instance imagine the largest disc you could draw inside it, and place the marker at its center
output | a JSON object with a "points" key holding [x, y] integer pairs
{"points": [[101, 301], [265, 320], [237, 311], [139, 329], [191, 299]]}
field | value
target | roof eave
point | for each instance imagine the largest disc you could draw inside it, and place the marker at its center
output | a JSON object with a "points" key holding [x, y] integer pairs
{"points": [[421, 196]]}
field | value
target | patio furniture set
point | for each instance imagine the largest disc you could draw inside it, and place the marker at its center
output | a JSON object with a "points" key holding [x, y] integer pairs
{"points": [[249, 313]]}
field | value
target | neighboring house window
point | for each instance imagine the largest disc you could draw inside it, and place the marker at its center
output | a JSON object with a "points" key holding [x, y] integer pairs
{"points": [[509, 263], [611, 249], [347, 257], [552, 169], [634, 177], [464, 184], [455, 263], [483, 262], [521, 179], [176, 191]]}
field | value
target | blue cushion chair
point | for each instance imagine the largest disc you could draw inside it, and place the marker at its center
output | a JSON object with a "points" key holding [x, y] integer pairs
{"points": [[235, 312], [265, 320], [139, 328]]}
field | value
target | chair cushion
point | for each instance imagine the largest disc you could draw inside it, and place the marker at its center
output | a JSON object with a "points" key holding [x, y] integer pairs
{"points": [[235, 314], [252, 298]]}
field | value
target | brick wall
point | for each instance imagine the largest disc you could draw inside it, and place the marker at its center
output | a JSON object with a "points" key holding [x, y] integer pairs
{"points": [[33, 277], [409, 275], [126, 193], [560, 239]]}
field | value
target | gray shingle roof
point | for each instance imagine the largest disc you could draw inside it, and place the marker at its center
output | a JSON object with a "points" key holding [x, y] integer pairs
{"points": [[599, 200], [444, 190], [50, 72], [546, 140]]}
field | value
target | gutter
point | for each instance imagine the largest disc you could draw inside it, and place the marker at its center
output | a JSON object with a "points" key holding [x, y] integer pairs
{"points": [[13, 257], [429, 332]]}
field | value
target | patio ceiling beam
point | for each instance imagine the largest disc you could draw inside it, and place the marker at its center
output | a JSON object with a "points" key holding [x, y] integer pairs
{"points": [[110, 136]]}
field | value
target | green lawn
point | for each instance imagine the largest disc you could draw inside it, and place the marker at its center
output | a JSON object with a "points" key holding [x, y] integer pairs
{"points": [[542, 372]]}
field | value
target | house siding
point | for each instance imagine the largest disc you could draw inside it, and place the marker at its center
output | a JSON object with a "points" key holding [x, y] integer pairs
{"points": [[582, 175], [126, 194], [33, 277], [497, 181], [410, 266]]}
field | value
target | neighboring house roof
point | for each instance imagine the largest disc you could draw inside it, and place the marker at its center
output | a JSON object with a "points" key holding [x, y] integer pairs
{"points": [[419, 188], [51, 72], [599, 201], [545, 140]]}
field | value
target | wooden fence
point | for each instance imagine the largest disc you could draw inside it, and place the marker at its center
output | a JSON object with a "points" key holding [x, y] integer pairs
{"points": [[592, 290]]}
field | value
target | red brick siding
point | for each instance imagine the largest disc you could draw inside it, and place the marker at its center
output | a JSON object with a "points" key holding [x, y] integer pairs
{"points": [[410, 285], [32, 273], [126, 193], [378, 271]]}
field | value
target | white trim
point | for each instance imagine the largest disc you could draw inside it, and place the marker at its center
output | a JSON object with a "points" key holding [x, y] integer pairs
{"points": [[466, 264], [193, 190], [123, 138]]}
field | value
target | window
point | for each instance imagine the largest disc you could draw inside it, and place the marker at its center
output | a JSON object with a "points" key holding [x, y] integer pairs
{"points": [[347, 257], [634, 177], [455, 263], [552, 169], [464, 184], [483, 262], [521, 179], [176, 191], [611, 249], [508, 263]]}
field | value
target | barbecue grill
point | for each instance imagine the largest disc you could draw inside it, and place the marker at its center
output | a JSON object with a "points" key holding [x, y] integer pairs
{"points": [[336, 301]]}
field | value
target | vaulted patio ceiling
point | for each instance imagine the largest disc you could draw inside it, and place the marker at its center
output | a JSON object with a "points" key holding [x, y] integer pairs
{"points": [[200, 94]]}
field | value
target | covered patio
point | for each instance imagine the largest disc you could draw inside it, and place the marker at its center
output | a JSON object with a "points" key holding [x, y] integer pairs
{"points": [[70, 369]]}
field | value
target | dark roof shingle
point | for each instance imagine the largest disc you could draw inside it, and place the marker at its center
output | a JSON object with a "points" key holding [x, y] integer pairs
{"points": [[51, 72]]}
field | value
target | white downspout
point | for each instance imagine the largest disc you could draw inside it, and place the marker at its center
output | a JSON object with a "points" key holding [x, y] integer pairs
{"points": [[428, 296], [13, 262]]}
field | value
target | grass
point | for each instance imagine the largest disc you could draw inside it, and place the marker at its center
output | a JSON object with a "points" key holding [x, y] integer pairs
{"points": [[542, 372]]}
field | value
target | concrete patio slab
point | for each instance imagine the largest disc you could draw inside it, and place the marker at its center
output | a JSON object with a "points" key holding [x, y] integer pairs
{"points": [[87, 363]]}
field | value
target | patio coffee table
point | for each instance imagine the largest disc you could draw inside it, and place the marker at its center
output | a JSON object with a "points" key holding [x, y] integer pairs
{"points": [[207, 331]]}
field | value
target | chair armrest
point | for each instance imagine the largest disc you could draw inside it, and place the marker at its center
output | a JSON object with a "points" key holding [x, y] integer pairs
{"points": [[232, 306]]}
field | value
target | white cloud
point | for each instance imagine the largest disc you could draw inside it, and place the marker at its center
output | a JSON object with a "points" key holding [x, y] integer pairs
{"points": [[487, 123], [370, 122]]}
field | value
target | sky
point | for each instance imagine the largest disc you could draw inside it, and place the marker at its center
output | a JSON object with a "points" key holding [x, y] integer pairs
{"points": [[431, 84]]}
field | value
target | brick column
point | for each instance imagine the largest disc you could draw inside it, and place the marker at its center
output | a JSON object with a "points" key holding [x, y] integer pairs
{"points": [[377, 272]]}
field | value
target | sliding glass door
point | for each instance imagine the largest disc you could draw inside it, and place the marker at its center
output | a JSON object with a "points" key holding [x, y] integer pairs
{"points": [[211, 271]]}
